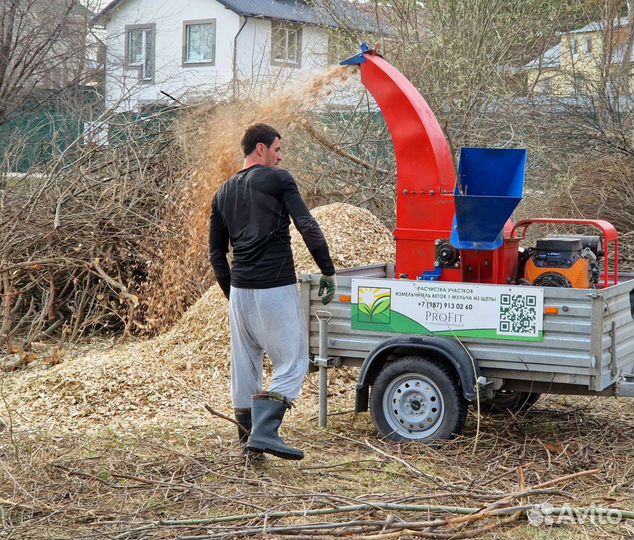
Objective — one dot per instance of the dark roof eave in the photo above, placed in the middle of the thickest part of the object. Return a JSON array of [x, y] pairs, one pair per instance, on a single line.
[[105, 12], [268, 18], [333, 25], [322, 24]]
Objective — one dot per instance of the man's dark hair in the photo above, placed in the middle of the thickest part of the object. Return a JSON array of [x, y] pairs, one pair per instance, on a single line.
[[258, 133]]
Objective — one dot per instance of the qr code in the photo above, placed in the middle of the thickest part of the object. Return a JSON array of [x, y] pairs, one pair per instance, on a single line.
[[518, 314]]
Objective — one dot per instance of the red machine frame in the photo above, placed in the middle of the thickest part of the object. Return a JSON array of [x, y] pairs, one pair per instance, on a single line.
[[426, 176]]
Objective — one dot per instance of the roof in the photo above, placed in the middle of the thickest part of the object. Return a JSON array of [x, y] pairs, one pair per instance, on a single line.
[[106, 11], [550, 59], [298, 11], [598, 26]]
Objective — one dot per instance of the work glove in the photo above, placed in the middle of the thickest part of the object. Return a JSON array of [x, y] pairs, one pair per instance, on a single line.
[[328, 285]]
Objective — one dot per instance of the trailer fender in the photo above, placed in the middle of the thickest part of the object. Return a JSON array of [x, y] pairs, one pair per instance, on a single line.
[[440, 349]]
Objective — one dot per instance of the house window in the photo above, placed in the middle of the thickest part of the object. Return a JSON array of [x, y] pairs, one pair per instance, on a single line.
[[286, 44], [574, 46], [199, 42], [140, 50], [588, 45]]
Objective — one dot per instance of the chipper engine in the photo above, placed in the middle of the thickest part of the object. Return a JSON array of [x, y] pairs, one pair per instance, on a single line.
[[456, 227], [562, 261]]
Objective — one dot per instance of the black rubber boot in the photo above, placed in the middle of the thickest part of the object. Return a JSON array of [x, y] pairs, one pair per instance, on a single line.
[[268, 412], [243, 417]]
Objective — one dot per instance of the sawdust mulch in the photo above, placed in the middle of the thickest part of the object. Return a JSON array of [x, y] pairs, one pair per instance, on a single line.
[[166, 379]]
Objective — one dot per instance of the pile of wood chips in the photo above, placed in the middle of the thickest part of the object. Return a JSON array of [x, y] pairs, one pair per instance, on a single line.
[[355, 237], [168, 378]]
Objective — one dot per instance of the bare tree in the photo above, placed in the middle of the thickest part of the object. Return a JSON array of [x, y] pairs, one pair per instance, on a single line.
[[42, 43], [586, 126]]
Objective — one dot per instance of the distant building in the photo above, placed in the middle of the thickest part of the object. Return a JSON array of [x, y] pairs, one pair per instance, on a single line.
[[582, 59], [158, 51]]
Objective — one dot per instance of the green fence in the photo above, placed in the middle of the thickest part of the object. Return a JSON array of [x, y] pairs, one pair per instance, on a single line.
[[47, 123]]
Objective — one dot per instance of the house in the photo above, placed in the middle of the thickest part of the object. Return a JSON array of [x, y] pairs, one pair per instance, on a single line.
[[160, 51], [581, 60]]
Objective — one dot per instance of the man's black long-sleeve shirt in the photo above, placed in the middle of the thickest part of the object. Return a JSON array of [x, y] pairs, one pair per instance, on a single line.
[[251, 210]]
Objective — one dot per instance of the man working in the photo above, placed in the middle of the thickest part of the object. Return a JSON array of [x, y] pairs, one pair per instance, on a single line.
[[251, 210]]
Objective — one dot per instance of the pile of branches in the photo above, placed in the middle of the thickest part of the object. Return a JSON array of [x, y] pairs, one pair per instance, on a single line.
[[79, 242]]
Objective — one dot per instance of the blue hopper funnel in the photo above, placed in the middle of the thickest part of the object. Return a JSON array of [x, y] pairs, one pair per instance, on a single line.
[[490, 185]]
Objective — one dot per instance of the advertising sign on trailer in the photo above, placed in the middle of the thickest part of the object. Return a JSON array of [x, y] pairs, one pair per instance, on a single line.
[[448, 309]]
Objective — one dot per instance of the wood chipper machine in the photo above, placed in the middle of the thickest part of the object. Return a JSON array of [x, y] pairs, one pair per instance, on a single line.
[[465, 312]]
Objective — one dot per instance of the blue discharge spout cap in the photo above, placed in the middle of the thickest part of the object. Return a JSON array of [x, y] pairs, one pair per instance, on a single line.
[[357, 58], [490, 186]]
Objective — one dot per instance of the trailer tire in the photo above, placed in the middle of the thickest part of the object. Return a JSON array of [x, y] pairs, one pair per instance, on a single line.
[[510, 401], [415, 399]]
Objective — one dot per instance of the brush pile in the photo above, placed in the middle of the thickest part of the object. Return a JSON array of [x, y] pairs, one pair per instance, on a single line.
[[76, 243]]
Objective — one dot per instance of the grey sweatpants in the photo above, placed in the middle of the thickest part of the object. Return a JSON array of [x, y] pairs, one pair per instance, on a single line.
[[271, 321]]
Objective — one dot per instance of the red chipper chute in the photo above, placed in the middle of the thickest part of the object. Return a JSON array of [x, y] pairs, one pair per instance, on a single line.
[[426, 177]]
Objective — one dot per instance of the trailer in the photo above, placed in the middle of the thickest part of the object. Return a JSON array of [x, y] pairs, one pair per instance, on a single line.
[[471, 310], [418, 387]]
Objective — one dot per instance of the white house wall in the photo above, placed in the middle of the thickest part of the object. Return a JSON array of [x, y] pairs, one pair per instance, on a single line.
[[123, 89], [254, 56]]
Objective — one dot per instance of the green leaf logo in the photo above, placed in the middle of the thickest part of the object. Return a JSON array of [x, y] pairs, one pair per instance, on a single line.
[[374, 305]]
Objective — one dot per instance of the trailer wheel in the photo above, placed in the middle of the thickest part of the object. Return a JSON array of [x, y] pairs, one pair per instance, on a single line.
[[510, 400], [416, 399]]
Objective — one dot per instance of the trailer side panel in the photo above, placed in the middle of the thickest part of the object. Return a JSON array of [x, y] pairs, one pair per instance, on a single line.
[[589, 342]]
